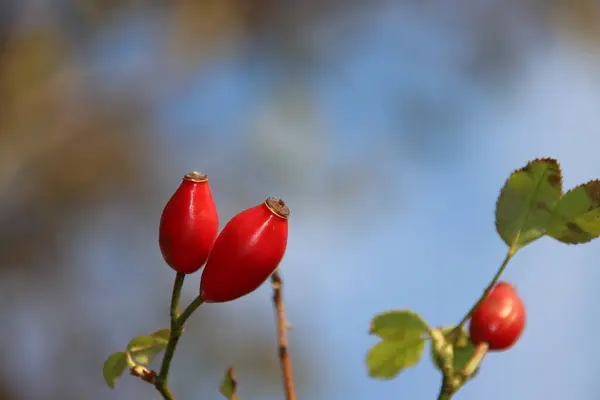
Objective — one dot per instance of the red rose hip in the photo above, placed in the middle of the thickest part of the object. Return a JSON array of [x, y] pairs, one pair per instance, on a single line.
[[246, 252], [500, 319], [189, 225]]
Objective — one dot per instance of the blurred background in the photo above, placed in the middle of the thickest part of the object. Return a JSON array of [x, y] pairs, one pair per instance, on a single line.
[[388, 127]]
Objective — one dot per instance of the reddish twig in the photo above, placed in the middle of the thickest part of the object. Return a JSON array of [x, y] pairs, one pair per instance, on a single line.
[[145, 374], [282, 327]]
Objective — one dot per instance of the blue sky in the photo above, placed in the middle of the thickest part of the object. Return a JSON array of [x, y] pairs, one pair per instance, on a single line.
[[423, 239], [437, 251]]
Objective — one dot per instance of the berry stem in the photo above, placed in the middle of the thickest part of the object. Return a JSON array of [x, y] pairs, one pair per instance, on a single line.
[[456, 332], [189, 310], [282, 327], [469, 369], [176, 296], [177, 323], [452, 383]]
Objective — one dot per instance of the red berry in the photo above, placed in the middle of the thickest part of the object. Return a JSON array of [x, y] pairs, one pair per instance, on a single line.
[[500, 319], [247, 251], [189, 225]]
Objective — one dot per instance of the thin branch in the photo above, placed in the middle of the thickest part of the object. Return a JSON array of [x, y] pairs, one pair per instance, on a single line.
[[445, 391], [282, 327], [188, 311], [177, 324], [161, 381], [451, 383], [456, 331]]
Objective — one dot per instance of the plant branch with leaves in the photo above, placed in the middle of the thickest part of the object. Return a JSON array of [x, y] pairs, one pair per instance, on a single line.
[[251, 246], [531, 205], [236, 262]]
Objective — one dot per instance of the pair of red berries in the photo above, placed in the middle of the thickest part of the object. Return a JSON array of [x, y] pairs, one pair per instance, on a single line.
[[240, 258], [499, 320]]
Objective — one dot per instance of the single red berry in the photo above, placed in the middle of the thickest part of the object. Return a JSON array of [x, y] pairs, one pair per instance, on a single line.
[[247, 251], [500, 319], [189, 225]]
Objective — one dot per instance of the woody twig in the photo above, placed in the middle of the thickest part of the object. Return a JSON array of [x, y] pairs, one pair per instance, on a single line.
[[282, 327]]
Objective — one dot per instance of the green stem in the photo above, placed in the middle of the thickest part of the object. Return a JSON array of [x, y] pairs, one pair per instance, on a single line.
[[164, 390], [162, 379], [456, 332], [451, 383], [445, 394], [176, 296], [163, 375], [474, 363], [189, 310], [177, 322]]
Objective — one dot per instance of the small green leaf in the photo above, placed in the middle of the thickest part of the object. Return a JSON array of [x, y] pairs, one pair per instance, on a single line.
[[114, 367], [577, 215], [164, 334], [394, 324], [462, 350], [403, 333], [143, 349], [389, 357], [229, 385], [524, 207]]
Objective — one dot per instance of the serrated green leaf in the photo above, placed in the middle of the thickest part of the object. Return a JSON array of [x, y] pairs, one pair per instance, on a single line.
[[143, 349], [524, 207], [389, 357], [396, 324], [113, 368], [229, 386], [577, 215], [462, 350]]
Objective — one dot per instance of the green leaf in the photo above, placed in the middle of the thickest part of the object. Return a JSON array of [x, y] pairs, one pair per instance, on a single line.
[[396, 324], [163, 334], [389, 357], [403, 333], [143, 349], [462, 350], [229, 385], [577, 215], [114, 367], [524, 207]]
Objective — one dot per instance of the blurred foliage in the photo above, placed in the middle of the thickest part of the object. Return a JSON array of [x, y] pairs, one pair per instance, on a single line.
[[70, 143]]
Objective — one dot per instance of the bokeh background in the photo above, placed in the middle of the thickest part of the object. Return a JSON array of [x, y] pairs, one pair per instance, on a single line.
[[387, 126]]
